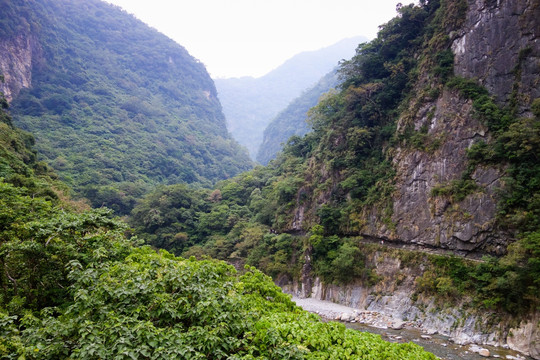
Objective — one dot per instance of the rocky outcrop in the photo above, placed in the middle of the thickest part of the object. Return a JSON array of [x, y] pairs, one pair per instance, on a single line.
[[525, 337], [19, 55], [499, 45], [421, 217], [431, 207]]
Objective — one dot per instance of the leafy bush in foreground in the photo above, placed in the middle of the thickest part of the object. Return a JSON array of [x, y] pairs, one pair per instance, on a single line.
[[156, 306]]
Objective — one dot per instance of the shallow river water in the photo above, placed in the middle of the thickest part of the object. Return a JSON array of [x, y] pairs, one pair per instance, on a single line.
[[437, 344]]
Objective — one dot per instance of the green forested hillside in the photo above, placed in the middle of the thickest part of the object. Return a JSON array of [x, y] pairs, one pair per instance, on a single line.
[[292, 120], [115, 106], [73, 286], [324, 185]]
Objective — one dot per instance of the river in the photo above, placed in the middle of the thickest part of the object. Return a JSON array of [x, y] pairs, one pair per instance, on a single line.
[[437, 344]]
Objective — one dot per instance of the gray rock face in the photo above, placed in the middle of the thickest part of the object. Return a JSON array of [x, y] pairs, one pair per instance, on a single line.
[[525, 337], [498, 45], [437, 221], [19, 55], [498, 38]]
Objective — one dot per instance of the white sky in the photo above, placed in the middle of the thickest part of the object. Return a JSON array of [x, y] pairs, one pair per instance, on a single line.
[[251, 37]]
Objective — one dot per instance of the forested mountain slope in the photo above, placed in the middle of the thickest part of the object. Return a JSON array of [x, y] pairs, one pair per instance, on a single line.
[[115, 106], [250, 103], [292, 120], [425, 157], [73, 286]]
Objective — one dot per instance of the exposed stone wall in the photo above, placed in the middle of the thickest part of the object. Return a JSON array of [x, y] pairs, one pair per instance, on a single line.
[[498, 45], [438, 221], [393, 296], [18, 55], [489, 45]]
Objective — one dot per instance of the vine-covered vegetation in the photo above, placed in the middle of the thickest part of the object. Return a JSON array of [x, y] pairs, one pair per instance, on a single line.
[[115, 106]]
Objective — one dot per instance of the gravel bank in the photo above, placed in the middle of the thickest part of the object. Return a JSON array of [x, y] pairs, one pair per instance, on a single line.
[[332, 311], [326, 309]]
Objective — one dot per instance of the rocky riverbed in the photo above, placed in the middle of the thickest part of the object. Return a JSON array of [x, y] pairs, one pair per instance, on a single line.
[[396, 330]]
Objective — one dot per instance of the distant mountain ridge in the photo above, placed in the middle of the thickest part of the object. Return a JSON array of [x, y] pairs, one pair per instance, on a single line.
[[115, 106], [293, 119], [250, 103]]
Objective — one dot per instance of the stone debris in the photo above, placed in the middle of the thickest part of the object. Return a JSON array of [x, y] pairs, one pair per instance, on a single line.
[[480, 350], [372, 318], [511, 357], [397, 324], [484, 352]]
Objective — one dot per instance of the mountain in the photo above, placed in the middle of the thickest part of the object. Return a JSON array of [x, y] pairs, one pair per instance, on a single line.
[[115, 106], [250, 103], [91, 292], [416, 194], [292, 120]]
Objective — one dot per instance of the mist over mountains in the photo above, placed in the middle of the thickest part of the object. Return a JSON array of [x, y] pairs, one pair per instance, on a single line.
[[250, 103]]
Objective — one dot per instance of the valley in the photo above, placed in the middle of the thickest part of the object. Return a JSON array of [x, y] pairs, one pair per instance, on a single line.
[[402, 183]]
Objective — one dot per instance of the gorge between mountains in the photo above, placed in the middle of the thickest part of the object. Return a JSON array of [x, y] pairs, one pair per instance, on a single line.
[[132, 222]]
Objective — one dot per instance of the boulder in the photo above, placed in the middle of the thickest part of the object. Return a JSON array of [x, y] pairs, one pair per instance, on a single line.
[[484, 352], [397, 324]]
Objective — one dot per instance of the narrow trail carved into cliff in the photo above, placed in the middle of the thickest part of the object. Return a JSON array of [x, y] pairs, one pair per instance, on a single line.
[[427, 249], [402, 245]]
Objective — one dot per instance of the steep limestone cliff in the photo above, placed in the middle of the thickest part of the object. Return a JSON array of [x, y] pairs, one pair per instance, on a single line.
[[499, 45], [440, 201], [496, 44], [19, 55], [419, 217]]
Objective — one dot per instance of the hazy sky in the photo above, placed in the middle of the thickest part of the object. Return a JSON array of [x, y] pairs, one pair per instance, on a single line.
[[251, 37]]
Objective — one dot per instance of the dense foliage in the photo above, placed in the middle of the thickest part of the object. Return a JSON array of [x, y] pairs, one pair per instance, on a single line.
[[74, 287], [155, 306], [115, 106], [292, 120]]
